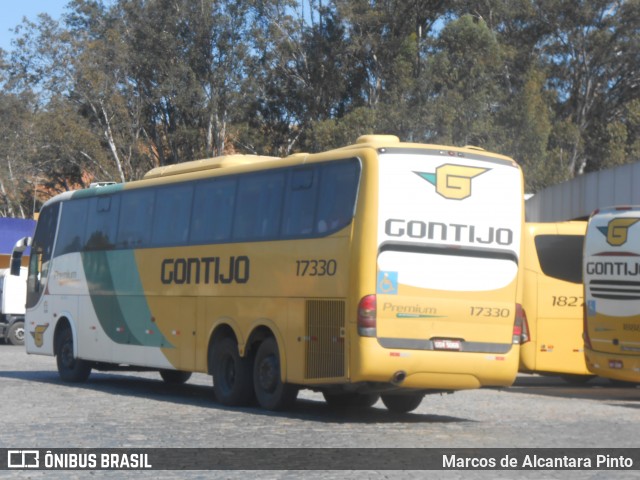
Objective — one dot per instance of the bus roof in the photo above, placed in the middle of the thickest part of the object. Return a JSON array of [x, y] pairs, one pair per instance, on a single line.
[[391, 141], [224, 161], [244, 162], [615, 209]]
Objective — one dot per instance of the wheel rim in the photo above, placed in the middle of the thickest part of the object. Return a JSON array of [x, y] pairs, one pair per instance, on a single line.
[[228, 373], [268, 374], [66, 355], [20, 334]]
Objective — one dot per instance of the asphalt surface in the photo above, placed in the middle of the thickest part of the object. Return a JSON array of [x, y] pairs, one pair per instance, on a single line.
[[138, 410]]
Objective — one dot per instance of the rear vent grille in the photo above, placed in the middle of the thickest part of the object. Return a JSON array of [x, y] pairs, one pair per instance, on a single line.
[[325, 342]]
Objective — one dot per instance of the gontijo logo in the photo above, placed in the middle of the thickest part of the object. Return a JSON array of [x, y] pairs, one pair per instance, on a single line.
[[453, 181], [616, 230]]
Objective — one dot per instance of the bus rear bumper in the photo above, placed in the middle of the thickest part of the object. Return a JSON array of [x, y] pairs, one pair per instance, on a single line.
[[439, 370], [613, 365]]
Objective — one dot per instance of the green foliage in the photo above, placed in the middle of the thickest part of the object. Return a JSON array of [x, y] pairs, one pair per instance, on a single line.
[[527, 121], [466, 76], [335, 133], [118, 87]]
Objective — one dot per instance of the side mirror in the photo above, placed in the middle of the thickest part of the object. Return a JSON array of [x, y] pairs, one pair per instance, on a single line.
[[16, 254]]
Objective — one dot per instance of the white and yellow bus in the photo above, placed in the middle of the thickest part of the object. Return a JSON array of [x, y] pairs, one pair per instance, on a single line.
[[612, 293], [553, 300], [379, 269]]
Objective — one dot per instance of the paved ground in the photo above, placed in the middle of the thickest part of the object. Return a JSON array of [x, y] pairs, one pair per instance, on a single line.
[[115, 410]]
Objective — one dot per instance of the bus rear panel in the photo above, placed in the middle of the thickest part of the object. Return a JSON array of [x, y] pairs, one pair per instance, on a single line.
[[448, 251], [612, 293]]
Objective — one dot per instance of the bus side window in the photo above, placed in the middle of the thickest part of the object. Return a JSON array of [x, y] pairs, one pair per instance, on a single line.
[[102, 223], [334, 219], [171, 215], [338, 190], [134, 227], [212, 215], [259, 207], [71, 233], [300, 204], [560, 256]]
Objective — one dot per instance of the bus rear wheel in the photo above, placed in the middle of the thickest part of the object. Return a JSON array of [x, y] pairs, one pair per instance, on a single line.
[[70, 369], [351, 399], [271, 392], [232, 378], [577, 379], [402, 403]]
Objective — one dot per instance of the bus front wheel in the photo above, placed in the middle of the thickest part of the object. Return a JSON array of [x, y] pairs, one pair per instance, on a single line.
[[232, 379], [402, 403], [70, 369], [271, 392]]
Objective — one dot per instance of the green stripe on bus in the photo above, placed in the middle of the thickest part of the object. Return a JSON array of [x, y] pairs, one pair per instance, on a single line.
[[119, 300]]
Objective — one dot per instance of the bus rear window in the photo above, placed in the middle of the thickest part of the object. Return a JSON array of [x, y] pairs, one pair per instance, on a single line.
[[560, 256], [451, 269]]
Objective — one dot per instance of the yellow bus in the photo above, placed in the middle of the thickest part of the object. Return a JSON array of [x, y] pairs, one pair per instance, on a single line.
[[381, 269], [612, 293], [553, 300]]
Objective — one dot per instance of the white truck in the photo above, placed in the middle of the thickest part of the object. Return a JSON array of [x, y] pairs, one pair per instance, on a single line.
[[13, 296]]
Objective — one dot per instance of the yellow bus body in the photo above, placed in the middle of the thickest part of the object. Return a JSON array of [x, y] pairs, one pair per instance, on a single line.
[[431, 241], [612, 293], [553, 299]]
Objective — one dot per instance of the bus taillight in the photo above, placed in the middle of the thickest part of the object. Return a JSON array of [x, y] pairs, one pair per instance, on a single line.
[[367, 316], [521, 326]]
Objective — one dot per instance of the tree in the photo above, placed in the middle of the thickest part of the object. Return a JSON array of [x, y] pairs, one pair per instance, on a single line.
[[467, 79], [186, 63], [16, 126], [119, 87], [592, 58]]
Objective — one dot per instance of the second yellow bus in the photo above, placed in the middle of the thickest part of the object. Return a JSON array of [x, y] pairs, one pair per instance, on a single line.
[[553, 300]]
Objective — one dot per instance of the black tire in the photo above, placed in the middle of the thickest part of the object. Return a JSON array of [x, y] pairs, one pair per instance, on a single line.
[[15, 335], [577, 379], [175, 377], [70, 369], [351, 399], [402, 403], [271, 392], [232, 374]]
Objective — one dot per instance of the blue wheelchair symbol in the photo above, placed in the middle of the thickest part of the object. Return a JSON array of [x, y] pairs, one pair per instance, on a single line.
[[388, 283]]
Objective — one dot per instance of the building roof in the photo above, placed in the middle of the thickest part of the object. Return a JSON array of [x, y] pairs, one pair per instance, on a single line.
[[577, 198]]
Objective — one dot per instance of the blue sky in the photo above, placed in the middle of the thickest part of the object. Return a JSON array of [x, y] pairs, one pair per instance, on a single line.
[[14, 10]]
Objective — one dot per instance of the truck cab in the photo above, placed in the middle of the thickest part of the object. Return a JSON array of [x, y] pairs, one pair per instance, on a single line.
[[13, 296]]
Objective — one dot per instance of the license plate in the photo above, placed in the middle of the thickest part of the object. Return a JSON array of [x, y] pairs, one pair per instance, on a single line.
[[617, 364], [446, 344]]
